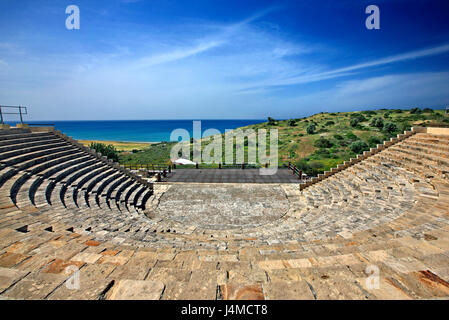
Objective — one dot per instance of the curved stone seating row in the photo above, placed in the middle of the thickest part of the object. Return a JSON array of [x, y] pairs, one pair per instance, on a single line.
[[47, 168]]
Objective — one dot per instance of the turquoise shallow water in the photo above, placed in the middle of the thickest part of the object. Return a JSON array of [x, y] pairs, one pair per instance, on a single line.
[[138, 130]]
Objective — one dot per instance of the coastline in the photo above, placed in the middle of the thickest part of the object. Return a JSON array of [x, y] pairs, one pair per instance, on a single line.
[[121, 145]]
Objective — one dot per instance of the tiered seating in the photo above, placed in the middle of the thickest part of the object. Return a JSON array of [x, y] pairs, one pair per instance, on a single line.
[[45, 170], [68, 208]]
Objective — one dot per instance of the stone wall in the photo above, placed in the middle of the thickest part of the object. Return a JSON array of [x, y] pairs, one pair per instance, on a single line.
[[438, 131]]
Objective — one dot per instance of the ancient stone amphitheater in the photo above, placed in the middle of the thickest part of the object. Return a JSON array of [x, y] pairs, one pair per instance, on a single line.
[[376, 227]]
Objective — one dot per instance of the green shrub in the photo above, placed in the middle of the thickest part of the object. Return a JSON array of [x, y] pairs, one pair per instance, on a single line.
[[329, 123], [338, 137], [309, 168], [354, 122], [390, 127], [377, 123], [106, 150], [358, 116], [323, 143], [427, 110], [311, 128], [359, 146], [404, 126], [374, 141], [322, 152], [291, 123], [415, 111], [351, 136], [271, 121]]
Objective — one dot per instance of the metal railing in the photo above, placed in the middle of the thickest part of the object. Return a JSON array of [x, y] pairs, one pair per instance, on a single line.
[[152, 167], [21, 112], [168, 167]]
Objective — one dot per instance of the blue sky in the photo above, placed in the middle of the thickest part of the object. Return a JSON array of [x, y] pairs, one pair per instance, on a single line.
[[155, 59]]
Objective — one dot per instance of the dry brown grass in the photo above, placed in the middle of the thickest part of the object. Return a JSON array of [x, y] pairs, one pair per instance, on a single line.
[[119, 145]]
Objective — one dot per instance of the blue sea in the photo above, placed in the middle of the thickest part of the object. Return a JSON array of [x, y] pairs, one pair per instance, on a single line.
[[138, 130]]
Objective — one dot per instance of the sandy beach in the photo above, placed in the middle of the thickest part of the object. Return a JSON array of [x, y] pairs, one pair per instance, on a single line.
[[120, 145]]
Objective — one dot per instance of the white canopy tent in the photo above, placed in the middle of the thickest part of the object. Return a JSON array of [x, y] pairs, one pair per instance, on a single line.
[[181, 161]]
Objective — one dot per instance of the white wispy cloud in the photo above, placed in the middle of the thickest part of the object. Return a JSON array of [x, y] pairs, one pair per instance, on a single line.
[[396, 58], [223, 35], [351, 70], [175, 55]]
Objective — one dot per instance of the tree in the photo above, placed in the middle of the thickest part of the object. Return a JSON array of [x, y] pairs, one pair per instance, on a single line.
[[271, 121], [291, 123], [108, 151], [311, 128], [359, 146], [415, 110]]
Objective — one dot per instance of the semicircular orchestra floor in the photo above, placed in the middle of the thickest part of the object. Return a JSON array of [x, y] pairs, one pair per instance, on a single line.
[[219, 207]]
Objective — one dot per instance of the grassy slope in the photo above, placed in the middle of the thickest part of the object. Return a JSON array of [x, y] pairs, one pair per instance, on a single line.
[[299, 147], [157, 153]]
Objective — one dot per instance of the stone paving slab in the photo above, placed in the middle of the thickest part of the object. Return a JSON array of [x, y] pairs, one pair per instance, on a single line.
[[136, 290]]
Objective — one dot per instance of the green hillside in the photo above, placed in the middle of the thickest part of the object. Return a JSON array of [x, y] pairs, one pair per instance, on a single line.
[[320, 142]]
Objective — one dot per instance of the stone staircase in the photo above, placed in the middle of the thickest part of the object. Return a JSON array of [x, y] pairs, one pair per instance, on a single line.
[[64, 207]]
